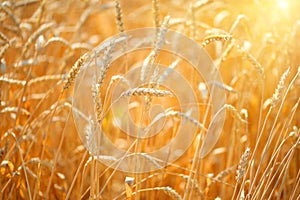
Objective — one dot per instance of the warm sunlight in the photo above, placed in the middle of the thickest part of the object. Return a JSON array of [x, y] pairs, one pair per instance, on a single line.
[[151, 99], [283, 4]]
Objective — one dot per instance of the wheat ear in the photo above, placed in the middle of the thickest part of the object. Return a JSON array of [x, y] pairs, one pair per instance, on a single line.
[[57, 40], [74, 71], [187, 117], [213, 38], [155, 12], [280, 86], [12, 81], [242, 165], [251, 59], [119, 17], [224, 173], [96, 88], [41, 30], [146, 92], [161, 35], [158, 43]]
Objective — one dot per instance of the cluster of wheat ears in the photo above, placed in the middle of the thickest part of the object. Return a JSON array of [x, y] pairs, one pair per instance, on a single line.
[[254, 45]]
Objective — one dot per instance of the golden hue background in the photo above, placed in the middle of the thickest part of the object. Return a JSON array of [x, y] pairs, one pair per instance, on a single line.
[[41, 154]]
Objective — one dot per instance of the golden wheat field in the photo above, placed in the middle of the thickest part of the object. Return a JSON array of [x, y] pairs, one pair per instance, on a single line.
[[152, 99]]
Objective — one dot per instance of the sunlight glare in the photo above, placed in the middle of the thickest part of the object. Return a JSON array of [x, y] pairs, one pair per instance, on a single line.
[[283, 4]]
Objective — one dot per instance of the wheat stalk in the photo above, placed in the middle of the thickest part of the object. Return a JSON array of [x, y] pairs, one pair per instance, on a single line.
[[58, 40], [227, 51], [213, 38], [224, 173], [272, 134], [12, 81], [242, 165], [251, 59], [155, 12], [150, 158], [118, 77], [146, 92], [3, 37], [20, 23], [165, 74], [161, 35], [172, 193], [41, 30], [106, 63], [236, 22], [45, 78], [235, 112], [25, 3], [279, 89], [97, 85], [223, 86], [200, 4], [167, 190], [81, 46], [15, 109], [74, 71], [187, 117], [11, 15], [158, 43], [4, 49], [119, 17]]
